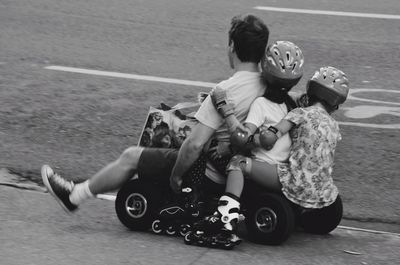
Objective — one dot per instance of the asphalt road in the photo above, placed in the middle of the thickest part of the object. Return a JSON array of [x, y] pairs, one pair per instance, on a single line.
[[78, 122], [34, 230]]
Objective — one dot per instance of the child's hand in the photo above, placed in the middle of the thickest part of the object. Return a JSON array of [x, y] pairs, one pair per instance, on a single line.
[[240, 138], [268, 138], [219, 99]]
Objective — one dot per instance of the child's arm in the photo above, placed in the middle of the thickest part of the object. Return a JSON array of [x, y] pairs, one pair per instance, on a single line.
[[241, 135], [268, 137]]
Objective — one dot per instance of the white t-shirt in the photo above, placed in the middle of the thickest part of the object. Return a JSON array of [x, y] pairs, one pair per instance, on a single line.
[[264, 111], [241, 89]]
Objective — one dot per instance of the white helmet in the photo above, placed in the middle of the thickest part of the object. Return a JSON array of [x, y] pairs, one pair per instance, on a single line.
[[283, 61], [329, 84]]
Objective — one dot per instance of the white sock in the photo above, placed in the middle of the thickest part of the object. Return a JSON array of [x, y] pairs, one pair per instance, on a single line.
[[80, 193]]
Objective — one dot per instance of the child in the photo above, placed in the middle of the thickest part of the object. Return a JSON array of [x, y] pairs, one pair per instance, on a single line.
[[306, 178], [282, 68]]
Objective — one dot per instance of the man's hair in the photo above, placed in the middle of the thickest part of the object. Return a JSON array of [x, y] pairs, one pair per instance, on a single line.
[[249, 35]]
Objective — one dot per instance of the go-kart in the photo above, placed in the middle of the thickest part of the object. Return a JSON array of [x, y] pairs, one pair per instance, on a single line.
[[269, 217]]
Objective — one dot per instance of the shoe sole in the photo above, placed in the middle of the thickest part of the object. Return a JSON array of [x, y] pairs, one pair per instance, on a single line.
[[45, 179]]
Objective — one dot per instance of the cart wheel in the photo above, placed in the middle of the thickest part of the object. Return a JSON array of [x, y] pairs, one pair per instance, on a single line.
[[135, 205], [322, 221], [270, 220]]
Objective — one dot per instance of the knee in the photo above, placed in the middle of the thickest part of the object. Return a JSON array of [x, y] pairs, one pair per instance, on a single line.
[[130, 156], [240, 163]]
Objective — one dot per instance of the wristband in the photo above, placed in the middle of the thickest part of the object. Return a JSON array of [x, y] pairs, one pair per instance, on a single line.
[[220, 104], [275, 131]]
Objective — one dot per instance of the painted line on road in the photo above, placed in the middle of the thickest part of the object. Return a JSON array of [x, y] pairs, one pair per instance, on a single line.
[[367, 230], [370, 125], [212, 85], [107, 197], [131, 76], [325, 12]]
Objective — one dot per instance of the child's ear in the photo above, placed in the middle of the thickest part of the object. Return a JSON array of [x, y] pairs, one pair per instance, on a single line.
[[231, 47]]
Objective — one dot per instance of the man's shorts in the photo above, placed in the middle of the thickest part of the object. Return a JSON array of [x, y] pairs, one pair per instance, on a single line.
[[155, 164]]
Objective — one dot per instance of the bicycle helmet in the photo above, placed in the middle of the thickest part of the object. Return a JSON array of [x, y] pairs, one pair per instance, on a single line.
[[283, 61], [329, 84]]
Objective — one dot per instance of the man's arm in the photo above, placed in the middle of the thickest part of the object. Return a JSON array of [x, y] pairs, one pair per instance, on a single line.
[[233, 124], [188, 153]]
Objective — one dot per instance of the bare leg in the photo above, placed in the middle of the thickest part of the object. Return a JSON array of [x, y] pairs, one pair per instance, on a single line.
[[263, 173], [111, 177], [115, 174], [238, 167], [235, 183]]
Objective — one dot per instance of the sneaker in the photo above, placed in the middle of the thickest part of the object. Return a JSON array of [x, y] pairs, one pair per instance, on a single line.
[[58, 187]]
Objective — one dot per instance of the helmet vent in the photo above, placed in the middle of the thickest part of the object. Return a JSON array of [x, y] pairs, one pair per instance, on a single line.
[[271, 61], [282, 64]]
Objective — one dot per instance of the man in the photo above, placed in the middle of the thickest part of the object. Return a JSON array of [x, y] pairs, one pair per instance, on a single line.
[[248, 37]]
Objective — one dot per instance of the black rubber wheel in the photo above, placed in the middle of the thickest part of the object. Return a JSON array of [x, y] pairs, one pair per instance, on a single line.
[[270, 220], [136, 204], [322, 221]]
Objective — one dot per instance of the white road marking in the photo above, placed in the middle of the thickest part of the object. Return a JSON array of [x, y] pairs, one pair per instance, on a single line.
[[107, 197], [369, 90], [329, 13], [367, 230], [370, 125], [368, 111], [131, 76], [212, 85]]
